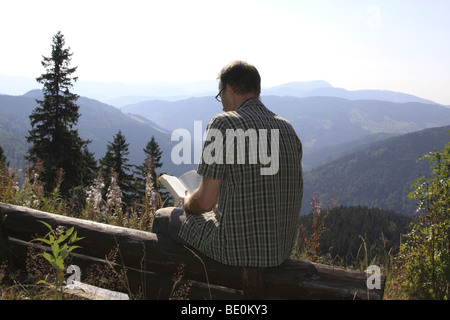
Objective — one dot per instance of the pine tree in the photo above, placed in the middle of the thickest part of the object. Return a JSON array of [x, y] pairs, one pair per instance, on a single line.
[[54, 139], [151, 150], [2, 156], [116, 161], [89, 166]]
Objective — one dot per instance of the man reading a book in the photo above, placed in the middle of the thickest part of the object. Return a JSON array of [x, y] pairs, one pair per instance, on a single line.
[[242, 215]]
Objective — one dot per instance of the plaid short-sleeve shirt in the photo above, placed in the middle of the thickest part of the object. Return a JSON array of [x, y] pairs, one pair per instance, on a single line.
[[257, 155]]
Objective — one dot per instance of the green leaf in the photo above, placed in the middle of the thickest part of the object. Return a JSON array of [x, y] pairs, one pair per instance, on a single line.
[[48, 257], [65, 235], [46, 224], [74, 238], [55, 249], [73, 248], [59, 263], [42, 282], [43, 240], [63, 254]]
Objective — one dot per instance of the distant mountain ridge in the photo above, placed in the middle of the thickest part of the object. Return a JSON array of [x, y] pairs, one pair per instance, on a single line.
[[98, 122], [122, 94], [324, 89], [321, 122]]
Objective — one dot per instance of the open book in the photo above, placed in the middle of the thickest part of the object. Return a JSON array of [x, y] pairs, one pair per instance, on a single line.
[[177, 186]]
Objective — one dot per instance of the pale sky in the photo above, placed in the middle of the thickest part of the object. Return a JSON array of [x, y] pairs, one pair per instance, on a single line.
[[398, 45]]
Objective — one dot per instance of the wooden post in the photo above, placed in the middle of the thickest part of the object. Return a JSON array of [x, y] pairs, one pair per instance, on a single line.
[[254, 283]]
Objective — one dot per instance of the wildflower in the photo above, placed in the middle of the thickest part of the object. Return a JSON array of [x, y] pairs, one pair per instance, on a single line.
[[114, 198], [150, 194], [94, 195]]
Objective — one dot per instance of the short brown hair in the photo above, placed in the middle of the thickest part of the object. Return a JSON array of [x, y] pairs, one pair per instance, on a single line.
[[242, 77]]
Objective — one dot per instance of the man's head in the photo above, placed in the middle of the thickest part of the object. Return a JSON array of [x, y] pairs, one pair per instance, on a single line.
[[238, 81]]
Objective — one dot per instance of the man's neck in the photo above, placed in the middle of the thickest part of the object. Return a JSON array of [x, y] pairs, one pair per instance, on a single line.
[[240, 99]]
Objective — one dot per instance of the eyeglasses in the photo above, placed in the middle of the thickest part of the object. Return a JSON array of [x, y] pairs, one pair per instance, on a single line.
[[218, 97]]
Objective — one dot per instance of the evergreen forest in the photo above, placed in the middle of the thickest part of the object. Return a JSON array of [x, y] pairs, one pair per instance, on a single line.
[[352, 234]]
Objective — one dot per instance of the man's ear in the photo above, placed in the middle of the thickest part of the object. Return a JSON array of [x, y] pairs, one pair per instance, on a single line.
[[230, 88]]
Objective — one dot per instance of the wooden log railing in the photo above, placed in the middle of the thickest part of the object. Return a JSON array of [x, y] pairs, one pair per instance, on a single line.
[[151, 260]]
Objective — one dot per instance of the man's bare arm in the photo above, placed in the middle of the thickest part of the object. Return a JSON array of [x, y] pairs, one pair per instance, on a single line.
[[204, 198]]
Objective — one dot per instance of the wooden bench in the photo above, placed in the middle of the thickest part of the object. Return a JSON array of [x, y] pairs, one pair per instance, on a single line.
[[151, 260]]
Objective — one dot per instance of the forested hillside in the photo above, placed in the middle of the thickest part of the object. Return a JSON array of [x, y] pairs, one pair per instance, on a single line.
[[347, 228], [14, 126], [99, 122], [379, 175]]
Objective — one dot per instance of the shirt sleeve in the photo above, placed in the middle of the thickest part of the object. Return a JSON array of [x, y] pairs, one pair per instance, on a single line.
[[212, 163]]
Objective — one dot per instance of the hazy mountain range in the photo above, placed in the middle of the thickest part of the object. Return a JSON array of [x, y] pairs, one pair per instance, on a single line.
[[122, 94], [330, 127], [321, 122], [99, 122]]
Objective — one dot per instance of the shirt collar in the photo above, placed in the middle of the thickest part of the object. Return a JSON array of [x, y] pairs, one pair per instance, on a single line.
[[244, 104]]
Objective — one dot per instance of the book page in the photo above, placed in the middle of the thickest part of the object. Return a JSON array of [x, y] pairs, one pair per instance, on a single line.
[[191, 180], [174, 186]]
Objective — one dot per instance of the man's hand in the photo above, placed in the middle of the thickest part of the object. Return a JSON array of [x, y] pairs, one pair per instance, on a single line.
[[187, 196]]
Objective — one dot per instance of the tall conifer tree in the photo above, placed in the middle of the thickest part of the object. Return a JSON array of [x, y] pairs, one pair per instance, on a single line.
[[2, 156], [53, 137], [115, 160], [151, 149]]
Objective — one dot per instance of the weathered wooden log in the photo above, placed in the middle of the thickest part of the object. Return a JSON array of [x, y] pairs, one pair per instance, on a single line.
[[254, 283], [149, 256], [141, 284]]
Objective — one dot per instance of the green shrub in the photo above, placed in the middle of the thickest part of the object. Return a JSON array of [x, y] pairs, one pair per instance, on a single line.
[[424, 259]]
